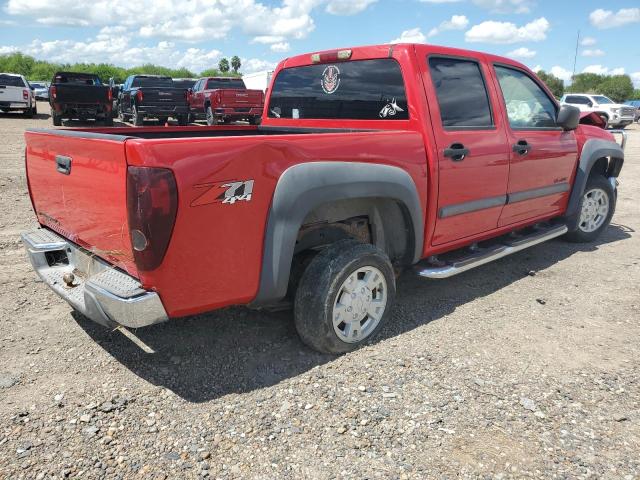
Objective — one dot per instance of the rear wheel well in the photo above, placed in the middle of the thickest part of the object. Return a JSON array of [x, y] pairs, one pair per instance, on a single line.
[[382, 222]]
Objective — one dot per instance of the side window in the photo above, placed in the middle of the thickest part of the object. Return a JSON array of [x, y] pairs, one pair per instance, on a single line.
[[528, 106], [461, 91]]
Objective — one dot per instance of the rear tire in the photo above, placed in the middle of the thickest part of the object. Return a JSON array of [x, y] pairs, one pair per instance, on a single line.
[[56, 119], [183, 120], [344, 297], [163, 120], [211, 118], [136, 118], [28, 113], [108, 120], [121, 115], [596, 209]]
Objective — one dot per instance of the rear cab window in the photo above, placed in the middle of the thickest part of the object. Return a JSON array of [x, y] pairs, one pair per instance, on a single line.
[[461, 92], [225, 83], [355, 90], [152, 82], [76, 79], [11, 81]]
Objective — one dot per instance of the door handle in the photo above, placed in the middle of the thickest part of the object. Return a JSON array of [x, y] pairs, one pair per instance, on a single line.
[[63, 164], [522, 147], [457, 152]]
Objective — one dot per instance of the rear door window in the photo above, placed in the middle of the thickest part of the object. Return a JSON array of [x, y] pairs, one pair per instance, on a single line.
[[462, 94], [356, 90], [577, 100], [11, 81]]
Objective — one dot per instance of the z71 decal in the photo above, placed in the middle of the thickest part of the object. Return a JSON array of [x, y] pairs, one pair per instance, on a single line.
[[231, 193]]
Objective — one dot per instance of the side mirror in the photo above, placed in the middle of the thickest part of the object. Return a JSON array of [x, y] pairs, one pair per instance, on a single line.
[[32, 87], [568, 117]]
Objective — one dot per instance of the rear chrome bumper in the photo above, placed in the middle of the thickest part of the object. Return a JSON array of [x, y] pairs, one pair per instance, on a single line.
[[98, 290]]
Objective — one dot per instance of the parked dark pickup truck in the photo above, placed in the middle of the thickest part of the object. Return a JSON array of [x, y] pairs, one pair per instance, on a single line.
[[144, 96], [79, 96]]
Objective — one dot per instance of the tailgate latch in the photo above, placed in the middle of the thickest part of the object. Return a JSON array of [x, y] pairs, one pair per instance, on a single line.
[[63, 164]]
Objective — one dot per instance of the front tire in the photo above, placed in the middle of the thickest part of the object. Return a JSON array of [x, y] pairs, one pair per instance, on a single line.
[[596, 209], [344, 297]]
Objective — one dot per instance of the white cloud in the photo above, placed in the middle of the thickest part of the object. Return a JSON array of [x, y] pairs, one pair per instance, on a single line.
[[457, 22], [195, 20], [348, 7], [413, 35], [440, 1], [592, 52], [8, 49], [588, 41], [635, 78], [507, 32], [522, 52], [561, 73], [601, 70], [256, 65], [267, 39], [506, 6], [537, 68], [607, 19], [280, 47]]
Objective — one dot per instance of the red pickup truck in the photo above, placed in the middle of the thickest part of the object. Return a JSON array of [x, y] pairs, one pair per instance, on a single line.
[[368, 160], [221, 99]]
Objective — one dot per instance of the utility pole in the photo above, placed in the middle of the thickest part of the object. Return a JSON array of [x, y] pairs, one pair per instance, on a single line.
[[575, 57]]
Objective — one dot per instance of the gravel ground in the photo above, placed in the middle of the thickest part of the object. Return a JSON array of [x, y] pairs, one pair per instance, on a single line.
[[527, 367]]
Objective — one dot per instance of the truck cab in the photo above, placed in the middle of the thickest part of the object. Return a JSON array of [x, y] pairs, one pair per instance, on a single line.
[[368, 161]]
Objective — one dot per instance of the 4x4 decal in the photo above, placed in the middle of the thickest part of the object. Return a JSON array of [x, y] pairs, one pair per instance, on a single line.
[[233, 191]]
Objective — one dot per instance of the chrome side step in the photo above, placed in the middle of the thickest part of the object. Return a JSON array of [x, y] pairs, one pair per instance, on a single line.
[[480, 256]]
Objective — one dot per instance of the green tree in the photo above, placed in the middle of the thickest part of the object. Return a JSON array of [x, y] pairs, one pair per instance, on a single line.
[[636, 94], [17, 63], [617, 87], [224, 65], [585, 83], [555, 84], [235, 63]]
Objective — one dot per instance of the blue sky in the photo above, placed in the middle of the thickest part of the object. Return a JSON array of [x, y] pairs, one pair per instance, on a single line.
[[196, 33]]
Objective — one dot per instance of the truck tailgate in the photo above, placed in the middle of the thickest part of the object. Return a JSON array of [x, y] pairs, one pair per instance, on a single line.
[[81, 94], [241, 98], [78, 185]]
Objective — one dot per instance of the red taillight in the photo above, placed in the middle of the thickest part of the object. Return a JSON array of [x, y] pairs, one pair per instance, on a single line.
[[25, 94], [218, 97], [152, 204], [139, 95], [53, 92], [110, 95]]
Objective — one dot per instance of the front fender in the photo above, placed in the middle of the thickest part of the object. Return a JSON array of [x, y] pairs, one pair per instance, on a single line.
[[593, 150], [304, 187]]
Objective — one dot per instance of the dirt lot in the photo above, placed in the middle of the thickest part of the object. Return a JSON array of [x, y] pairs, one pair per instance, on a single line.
[[527, 367]]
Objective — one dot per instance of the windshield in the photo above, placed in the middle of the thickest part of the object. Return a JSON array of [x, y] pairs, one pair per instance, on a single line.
[[226, 83], [36, 85], [186, 83], [11, 81], [602, 99], [152, 82]]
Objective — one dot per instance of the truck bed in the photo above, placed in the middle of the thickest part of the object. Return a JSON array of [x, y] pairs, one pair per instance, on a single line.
[[89, 206]]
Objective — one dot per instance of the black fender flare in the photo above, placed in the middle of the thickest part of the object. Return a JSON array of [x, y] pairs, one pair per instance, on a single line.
[[304, 187], [593, 150]]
